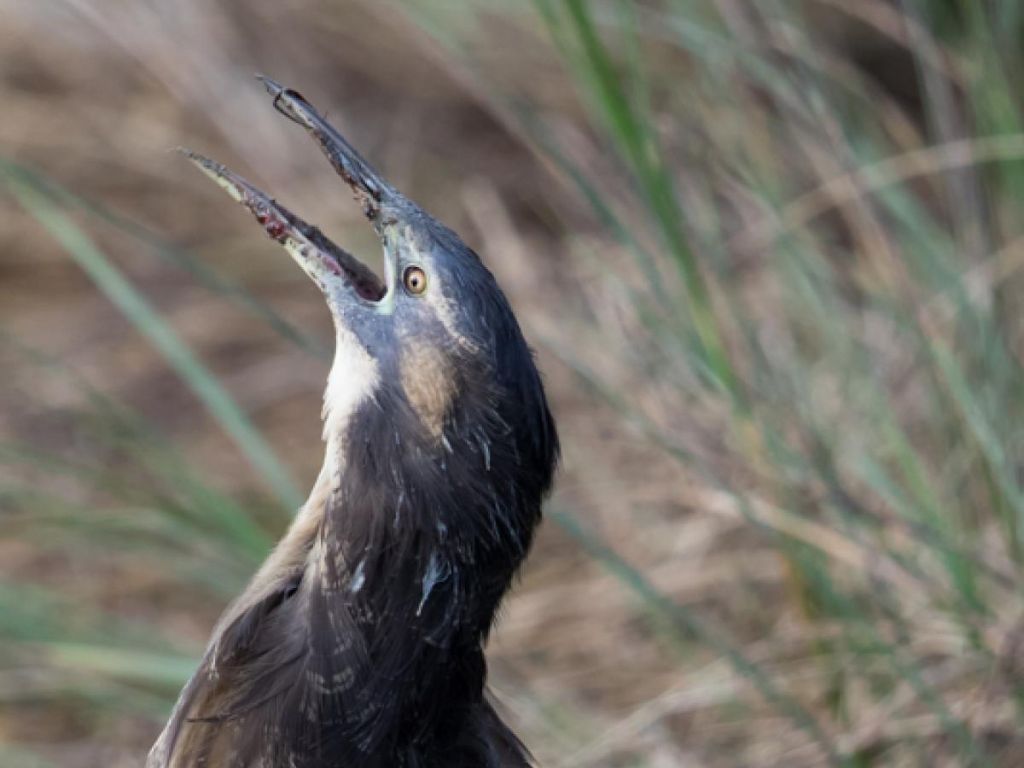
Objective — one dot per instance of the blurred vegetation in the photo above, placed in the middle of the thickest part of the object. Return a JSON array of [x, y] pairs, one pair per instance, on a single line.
[[780, 248]]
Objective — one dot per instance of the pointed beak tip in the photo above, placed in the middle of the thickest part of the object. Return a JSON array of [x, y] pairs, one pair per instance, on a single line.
[[204, 164], [359, 174], [273, 87], [195, 158], [220, 175]]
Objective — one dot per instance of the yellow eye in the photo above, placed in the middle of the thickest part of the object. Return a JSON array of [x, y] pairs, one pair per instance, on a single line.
[[415, 280]]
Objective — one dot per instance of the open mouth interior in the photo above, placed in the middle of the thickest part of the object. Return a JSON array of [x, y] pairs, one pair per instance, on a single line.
[[363, 280], [369, 287], [291, 231]]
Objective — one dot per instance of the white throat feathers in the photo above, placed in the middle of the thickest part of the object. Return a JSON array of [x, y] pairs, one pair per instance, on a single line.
[[354, 378]]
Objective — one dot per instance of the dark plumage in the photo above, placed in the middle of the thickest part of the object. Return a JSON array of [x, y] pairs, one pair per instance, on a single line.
[[359, 642]]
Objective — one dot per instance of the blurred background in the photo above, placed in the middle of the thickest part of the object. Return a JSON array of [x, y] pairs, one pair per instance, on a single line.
[[769, 253]]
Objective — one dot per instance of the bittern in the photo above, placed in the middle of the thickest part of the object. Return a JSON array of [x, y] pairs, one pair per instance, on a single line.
[[359, 642]]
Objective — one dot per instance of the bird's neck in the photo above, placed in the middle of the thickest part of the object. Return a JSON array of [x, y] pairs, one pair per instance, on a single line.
[[426, 530], [411, 539], [407, 563], [369, 617], [421, 540]]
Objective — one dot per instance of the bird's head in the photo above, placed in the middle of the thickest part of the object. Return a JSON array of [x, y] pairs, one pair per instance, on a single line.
[[432, 375]]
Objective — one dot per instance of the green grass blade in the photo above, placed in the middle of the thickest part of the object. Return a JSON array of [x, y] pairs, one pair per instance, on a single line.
[[643, 156], [141, 314], [173, 254], [688, 623], [14, 756]]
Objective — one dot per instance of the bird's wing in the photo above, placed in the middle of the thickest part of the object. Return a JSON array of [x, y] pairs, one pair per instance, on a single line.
[[277, 686], [251, 659], [275, 651]]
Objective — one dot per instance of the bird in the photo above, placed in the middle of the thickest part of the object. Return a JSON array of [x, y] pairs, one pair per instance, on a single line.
[[359, 643]]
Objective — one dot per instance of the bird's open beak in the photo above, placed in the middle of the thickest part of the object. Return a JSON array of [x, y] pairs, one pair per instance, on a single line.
[[322, 259], [368, 185]]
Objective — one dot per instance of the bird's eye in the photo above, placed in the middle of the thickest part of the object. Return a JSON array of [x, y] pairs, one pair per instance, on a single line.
[[415, 280]]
